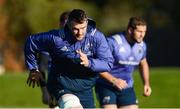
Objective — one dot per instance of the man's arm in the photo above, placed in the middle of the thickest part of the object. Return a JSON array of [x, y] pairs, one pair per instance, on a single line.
[[144, 71], [103, 61], [118, 83], [34, 45]]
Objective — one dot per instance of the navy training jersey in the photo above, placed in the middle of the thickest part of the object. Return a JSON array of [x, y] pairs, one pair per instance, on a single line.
[[66, 70]]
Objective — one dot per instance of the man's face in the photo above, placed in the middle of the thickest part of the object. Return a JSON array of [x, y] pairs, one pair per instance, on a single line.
[[78, 29], [138, 34]]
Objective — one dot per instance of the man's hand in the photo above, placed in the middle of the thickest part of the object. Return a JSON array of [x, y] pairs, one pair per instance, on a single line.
[[83, 58], [120, 83], [35, 77], [147, 90]]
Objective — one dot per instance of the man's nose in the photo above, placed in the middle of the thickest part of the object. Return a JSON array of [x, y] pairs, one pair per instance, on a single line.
[[80, 31]]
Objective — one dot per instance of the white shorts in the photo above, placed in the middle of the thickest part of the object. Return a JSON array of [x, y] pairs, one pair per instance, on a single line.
[[68, 101]]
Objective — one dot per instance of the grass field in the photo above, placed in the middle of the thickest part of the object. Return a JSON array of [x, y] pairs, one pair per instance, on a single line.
[[165, 85]]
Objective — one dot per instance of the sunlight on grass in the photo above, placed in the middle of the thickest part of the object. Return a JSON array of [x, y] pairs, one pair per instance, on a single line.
[[14, 92]]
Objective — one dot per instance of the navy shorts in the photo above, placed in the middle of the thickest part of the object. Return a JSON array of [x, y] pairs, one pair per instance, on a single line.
[[86, 98], [111, 95]]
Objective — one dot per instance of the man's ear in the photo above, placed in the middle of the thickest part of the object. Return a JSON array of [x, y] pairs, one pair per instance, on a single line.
[[130, 30]]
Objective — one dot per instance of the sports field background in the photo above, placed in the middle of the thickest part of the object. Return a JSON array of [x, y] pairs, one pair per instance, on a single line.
[[14, 93]]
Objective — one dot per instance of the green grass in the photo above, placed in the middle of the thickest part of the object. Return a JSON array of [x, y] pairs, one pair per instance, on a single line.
[[14, 92], [165, 90], [165, 84]]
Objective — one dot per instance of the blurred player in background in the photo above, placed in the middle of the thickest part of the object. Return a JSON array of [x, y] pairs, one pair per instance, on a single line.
[[129, 51], [44, 62], [63, 18]]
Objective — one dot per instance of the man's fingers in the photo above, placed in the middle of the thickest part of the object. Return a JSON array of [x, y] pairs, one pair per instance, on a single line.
[[27, 81], [120, 88], [121, 84], [125, 84], [30, 82], [82, 58], [38, 84], [33, 85], [34, 79], [80, 53], [147, 92], [82, 63]]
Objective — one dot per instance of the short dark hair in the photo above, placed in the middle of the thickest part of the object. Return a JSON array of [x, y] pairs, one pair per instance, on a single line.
[[135, 21], [77, 15]]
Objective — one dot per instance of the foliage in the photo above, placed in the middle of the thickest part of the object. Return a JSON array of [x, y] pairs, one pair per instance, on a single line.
[[43, 15], [21, 18]]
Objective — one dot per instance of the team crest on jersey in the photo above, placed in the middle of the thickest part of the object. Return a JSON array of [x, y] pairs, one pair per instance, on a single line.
[[87, 50], [87, 46]]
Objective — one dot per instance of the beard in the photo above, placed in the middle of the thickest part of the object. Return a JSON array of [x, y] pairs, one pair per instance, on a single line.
[[136, 40], [79, 37]]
